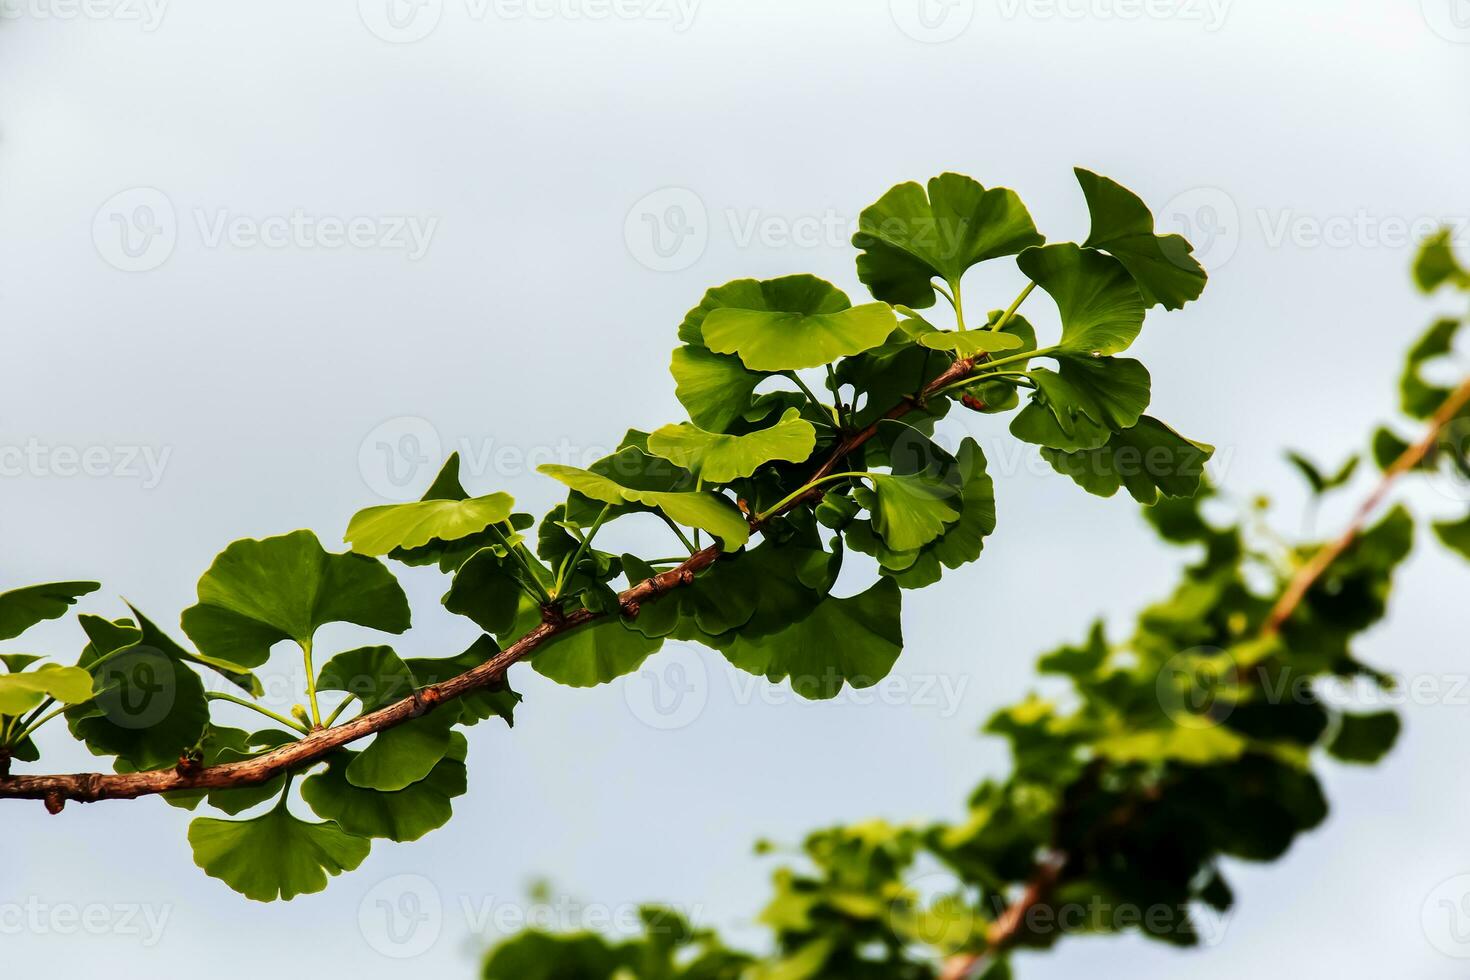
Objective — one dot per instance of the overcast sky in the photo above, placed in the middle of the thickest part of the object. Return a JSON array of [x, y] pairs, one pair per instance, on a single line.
[[270, 262]]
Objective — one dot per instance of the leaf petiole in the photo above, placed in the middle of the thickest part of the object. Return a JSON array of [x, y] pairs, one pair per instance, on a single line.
[[803, 491], [1010, 313], [569, 568], [290, 723]]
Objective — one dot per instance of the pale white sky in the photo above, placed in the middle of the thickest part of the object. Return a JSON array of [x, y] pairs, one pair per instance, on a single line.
[[244, 353]]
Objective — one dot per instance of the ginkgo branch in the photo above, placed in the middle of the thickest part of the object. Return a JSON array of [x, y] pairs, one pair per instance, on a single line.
[[56, 790]]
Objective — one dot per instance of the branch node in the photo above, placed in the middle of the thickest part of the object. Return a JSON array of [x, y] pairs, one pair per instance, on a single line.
[[189, 763], [55, 802]]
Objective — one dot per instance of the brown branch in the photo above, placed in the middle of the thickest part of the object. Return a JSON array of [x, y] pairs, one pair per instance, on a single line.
[[90, 787], [1004, 932], [1314, 569]]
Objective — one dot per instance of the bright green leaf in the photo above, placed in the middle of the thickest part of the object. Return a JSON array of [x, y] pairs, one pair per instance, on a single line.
[[258, 593], [274, 855], [597, 653], [719, 458], [707, 511], [909, 237], [22, 692], [1101, 307], [782, 340], [20, 609], [852, 641], [1148, 459], [714, 388], [380, 530], [1123, 226], [405, 815]]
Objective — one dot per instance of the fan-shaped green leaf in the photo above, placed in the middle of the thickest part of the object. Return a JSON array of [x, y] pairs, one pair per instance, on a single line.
[[788, 340], [719, 458], [714, 388], [486, 589], [707, 511], [21, 692], [258, 593], [147, 705], [405, 815], [909, 237], [380, 530], [1101, 307], [1436, 264], [597, 653], [20, 609], [852, 641], [788, 294], [968, 343], [1148, 459], [1079, 408], [1123, 226], [274, 855], [401, 756], [1418, 397]]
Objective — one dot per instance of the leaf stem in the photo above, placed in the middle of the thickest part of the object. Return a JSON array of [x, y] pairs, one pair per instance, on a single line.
[[332, 718], [567, 570], [817, 403], [316, 712], [683, 538], [765, 515], [965, 382], [31, 727], [1010, 313], [290, 723], [533, 587]]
